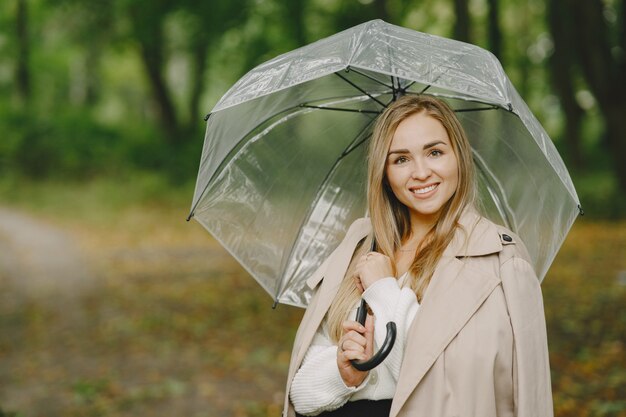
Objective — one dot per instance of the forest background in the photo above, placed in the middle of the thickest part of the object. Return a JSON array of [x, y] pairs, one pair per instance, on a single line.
[[101, 127]]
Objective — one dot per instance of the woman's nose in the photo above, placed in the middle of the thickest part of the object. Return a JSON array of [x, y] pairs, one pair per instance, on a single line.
[[421, 170]]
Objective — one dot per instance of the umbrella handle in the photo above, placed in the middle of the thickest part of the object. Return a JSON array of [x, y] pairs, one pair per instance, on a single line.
[[379, 356]]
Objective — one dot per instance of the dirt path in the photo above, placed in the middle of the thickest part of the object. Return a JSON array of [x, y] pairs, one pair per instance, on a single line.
[[44, 278], [150, 317], [38, 260]]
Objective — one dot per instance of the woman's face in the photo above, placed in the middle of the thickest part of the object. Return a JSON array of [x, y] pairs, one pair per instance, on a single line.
[[421, 168]]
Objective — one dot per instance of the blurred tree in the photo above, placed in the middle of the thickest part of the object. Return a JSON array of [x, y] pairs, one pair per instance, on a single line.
[[563, 72], [461, 30], [85, 61], [600, 37], [381, 10], [205, 24], [495, 34], [347, 13], [91, 27], [147, 19], [293, 19], [22, 67]]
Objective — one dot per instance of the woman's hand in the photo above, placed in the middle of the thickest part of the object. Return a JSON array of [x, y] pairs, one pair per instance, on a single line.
[[370, 268], [357, 343]]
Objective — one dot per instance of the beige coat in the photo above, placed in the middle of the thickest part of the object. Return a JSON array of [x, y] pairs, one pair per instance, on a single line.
[[477, 346]]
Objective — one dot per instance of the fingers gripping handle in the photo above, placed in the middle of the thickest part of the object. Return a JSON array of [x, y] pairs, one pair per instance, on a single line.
[[379, 356]]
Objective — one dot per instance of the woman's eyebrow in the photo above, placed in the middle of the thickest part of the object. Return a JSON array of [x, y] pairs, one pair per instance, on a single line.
[[397, 151], [435, 143], [426, 146]]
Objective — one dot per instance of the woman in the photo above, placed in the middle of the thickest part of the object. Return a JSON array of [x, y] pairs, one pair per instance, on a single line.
[[471, 329]]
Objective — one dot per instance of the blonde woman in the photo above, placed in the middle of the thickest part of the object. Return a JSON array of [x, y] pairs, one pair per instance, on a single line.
[[471, 338]]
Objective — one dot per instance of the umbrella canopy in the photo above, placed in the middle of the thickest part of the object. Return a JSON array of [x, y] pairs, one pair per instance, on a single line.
[[283, 168]]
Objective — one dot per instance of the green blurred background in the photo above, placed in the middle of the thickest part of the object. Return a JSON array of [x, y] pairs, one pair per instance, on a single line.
[[112, 305]]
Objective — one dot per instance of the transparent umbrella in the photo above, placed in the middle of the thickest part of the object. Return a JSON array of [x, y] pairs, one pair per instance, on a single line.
[[283, 171]]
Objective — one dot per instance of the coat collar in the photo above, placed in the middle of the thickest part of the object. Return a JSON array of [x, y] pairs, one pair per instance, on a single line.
[[477, 236]]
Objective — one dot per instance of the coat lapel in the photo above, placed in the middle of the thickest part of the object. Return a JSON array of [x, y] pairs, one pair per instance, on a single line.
[[454, 294]]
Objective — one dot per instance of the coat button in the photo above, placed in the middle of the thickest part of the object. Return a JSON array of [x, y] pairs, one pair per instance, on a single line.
[[507, 238]]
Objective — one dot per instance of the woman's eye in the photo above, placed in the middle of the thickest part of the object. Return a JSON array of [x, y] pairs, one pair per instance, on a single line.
[[436, 152], [401, 160]]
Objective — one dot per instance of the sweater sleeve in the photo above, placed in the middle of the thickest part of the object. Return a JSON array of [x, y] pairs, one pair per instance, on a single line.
[[317, 385], [389, 302]]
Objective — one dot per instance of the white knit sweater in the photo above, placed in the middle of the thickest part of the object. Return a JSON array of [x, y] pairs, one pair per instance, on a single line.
[[318, 387]]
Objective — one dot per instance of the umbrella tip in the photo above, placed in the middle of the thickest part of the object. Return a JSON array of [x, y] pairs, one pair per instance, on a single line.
[[206, 118], [190, 216], [275, 304], [580, 210]]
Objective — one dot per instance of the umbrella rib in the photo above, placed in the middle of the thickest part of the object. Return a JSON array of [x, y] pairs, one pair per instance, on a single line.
[[491, 185], [458, 58], [195, 205], [397, 89], [236, 149], [346, 152], [308, 106], [466, 99], [351, 149], [360, 89], [368, 76], [476, 109]]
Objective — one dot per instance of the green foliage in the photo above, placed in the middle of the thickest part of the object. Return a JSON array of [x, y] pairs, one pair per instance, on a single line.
[[599, 195], [122, 85], [9, 413], [66, 145]]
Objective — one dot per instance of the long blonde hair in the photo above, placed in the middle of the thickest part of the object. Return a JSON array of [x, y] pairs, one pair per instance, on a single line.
[[390, 218]]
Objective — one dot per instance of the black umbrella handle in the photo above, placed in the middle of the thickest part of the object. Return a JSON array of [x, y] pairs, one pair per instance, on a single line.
[[379, 356]]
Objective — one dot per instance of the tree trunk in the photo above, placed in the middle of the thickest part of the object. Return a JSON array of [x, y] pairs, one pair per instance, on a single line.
[[594, 48], [380, 7], [495, 34], [92, 64], [148, 32], [562, 66], [462, 24], [605, 74], [22, 68], [199, 64], [153, 64], [295, 19], [615, 119]]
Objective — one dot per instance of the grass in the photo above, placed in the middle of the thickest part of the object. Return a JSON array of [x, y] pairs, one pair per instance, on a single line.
[[171, 325]]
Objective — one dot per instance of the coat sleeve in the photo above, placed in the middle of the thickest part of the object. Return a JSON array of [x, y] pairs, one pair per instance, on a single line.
[[531, 368]]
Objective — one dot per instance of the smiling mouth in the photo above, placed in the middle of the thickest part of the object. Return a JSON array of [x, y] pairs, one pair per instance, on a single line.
[[424, 190]]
